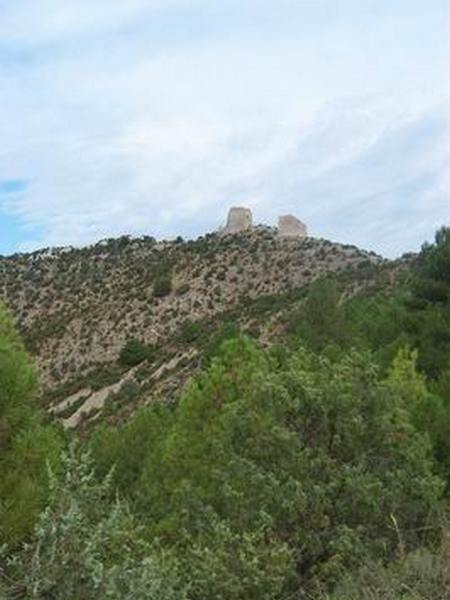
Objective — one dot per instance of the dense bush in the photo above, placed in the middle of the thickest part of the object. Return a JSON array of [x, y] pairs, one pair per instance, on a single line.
[[162, 285], [432, 282], [430, 306], [320, 321], [86, 547], [302, 467], [134, 352], [421, 575], [190, 331]]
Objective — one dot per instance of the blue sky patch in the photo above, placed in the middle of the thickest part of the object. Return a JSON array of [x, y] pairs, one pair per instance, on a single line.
[[12, 186]]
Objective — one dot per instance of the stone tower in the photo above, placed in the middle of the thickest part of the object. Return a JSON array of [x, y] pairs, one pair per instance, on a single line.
[[290, 226], [239, 219]]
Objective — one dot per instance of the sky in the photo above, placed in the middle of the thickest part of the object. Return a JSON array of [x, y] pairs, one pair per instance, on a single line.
[[155, 116]]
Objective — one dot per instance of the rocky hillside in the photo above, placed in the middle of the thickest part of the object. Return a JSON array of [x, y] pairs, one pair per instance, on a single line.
[[77, 308]]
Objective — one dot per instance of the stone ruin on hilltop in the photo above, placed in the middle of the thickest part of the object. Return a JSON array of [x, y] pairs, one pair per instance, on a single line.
[[290, 226], [241, 219]]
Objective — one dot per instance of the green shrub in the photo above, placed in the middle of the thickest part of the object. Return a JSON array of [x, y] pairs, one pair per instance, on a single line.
[[86, 547], [190, 331], [183, 289], [134, 352], [162, 286]]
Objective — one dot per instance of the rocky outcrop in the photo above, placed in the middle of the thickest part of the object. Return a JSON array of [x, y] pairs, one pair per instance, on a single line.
[[239, 219], [290, 226]]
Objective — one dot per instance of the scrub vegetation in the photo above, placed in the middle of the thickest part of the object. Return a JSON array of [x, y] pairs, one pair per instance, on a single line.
[[304, 453]]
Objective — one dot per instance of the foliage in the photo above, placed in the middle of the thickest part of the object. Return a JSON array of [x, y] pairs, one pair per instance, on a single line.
[[134, 352], [162, 285], [379, 323], [18, 383], [430, 304], [432, 283], [300, 466], [228, 330], [25, 444], [85, 547], [227, 564], [128, 447], [317, 464], [421, 575], [190, 331], [321, 319]]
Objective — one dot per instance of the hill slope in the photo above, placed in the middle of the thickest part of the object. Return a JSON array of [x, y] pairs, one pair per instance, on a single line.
[[78, 307]]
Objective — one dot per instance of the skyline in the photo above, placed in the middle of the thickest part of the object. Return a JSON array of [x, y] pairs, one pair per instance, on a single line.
[[152, 117]]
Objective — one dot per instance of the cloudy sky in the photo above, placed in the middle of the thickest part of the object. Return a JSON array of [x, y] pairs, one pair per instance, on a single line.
[[155, 116]]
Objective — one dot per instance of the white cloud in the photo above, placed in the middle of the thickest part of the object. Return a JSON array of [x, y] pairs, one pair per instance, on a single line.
[[146, 127], [33, 22]]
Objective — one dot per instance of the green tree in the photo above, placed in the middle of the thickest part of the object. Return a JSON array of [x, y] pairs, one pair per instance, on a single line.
[[18, 383], [366, 462], [280, 473], [379, 323], [321, 321], [432, 281], [430, 305], [25, 445]]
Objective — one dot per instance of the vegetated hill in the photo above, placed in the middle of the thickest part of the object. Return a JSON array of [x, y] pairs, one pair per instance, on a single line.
[[77, 308]]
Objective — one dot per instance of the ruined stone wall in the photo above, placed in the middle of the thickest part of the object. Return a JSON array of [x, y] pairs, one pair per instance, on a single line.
[[290, 226], [239, 219]]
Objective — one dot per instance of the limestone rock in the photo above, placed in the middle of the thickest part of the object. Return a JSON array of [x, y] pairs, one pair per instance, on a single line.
[[290, 226], [239, 219]]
